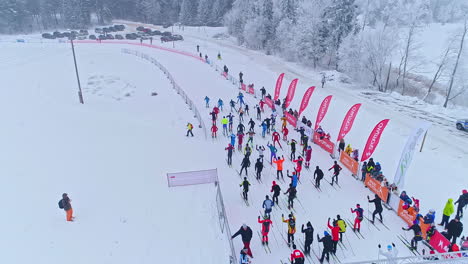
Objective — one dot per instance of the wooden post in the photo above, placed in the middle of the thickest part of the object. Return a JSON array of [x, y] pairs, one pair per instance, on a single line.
[[424, 140]]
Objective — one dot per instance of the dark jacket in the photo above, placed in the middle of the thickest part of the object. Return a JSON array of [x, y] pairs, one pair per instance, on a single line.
[[318, 173], [246, 234], [309, 233], [378, 203], [462, 200], [276, 190], [66, 203], [455, 228], [327, 243], [259, 166], [245, 162]]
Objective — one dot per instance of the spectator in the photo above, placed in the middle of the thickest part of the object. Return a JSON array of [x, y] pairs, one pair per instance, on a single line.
[[429, 218], [454, 229], [448, 211]]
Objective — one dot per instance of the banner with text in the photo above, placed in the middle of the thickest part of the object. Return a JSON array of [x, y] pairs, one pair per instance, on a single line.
[[279, 83], [291, 119], [291, 91], [305, 99], [350, 163], [348, 121], [376, 187], [374, 139], [326, 144], [322, 110], [268, 102]]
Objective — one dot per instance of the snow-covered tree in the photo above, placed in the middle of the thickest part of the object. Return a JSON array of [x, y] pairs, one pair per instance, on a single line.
[[188, 12]]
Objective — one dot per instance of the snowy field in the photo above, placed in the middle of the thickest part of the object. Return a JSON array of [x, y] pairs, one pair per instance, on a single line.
[[112, 153]]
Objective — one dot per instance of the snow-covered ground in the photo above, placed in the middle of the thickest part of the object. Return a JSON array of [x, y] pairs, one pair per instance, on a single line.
[[117, 147]]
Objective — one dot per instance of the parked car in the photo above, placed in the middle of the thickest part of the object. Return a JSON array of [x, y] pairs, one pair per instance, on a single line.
[[57, 34], [84, 32], [102, 37], [155, 33], [166, 38], [131, 36], [48, 36], [93, 37], [117, 36], [82, 37], [74, 33], [166, 33], [177, 37], [462, 124], [167, 25], [98, 30], [140, 28], [147, 30], [119, 27], [110, 36], [66, 34]]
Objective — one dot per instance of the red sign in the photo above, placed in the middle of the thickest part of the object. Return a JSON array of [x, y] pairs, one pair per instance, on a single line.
[[348, 121], [291, 119], [350, 163], [305, 99], [243, 87], [374, 139], [323, 110], [268, 102], [326, 144], [376, 187], [251, 90], [291, 91], [439, 242], [279, 82]]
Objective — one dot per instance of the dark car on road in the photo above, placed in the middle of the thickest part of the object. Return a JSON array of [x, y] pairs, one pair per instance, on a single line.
[[117, 36], [177, 37], [110, 36], [155, 33], [166, 33], [48, 36], [131, 36], [166, 38], [140, 28], [93, 37]]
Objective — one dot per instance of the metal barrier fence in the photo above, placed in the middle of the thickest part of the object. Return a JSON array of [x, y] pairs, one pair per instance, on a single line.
[[224, 223], [176, 87], [449, 258]]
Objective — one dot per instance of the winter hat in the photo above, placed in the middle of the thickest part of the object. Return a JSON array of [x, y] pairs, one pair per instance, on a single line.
[[465, 191], [266, 197], [290, 215], [431, 211], [389, 247], [358, 205], [244, 226], [274, 183], [377, 163], [309, 224], [325, 233]]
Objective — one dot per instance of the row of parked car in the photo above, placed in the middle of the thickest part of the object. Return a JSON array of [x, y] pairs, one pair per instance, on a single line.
[[67, 34], [145, 33]]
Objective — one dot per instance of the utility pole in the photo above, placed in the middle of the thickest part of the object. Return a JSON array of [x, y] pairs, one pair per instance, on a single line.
[[80, 93]]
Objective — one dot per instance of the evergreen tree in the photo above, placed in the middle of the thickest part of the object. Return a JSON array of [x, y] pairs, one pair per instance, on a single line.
[[188, 12]]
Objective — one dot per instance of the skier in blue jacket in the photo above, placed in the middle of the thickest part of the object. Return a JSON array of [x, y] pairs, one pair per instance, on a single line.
[[233, 139], [264, 128], [220, 104], [268, 205], [273, 151], [240, 99], [294, 178], [207, 101]]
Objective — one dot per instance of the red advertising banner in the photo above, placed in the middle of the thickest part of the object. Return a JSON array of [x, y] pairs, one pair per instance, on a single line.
[[439, 242], [323, 110], [305, 99], [407, 216], [251, 90], [326, 144], [374, 139], [279, 82], [243, 87], [268, 102], [291, 91], [348, 121], [350, 163], [376, 187], [291, 119]]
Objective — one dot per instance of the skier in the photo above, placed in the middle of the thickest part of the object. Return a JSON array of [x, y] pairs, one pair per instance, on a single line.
[[279, 167], [294, 178], [267, 122], [276, 138], [284, 121], [198, 48], [225, 123], [213, 117], [341, 145], [335, 230], [364, 171], [454, 229], [391, 253], [259, 112], [240, 128], [293, 149], [378, 207], [448, 211], [285, 132], [308, 156], [251, 123], [246, 234], [266, 224], [216, 111], [260, 150], [342, 225], [336, 171], [219, 56], [246, 109], [262, 104], [259, 168], [273, 151], [240, 99], [268, 205], [276, 190], [240, 137], [263, 92], [298, 168], [327, 246], [241, 114], [251, 135], [244, 259], [291, 195], [291, 227], [245, 164], [207, 102], [232, 104], [220, 104], [231, 120], [297, 257], [318, 176], [324, 79], [305, 143], [462, 201], [241, 80], [264, 129], [309, 237], [65, 204], [189, 129], [359, 216], [247, 150], [225, 69], [229, 148], [233, 139], [245, 188], [214, 129], [417, 234]]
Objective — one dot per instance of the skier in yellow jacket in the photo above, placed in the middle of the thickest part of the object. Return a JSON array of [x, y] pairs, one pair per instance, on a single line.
[[291, 227], [448, 211], [342, 225]]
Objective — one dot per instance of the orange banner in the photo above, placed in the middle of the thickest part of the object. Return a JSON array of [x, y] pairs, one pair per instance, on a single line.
[[350, 163], [408, 217], [376, 187]]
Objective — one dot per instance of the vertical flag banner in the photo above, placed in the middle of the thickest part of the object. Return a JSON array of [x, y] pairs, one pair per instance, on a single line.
[[305, 99], [323, 110], [279, 82], [374, 139], [291, 91], [348, 121], [407, 154]]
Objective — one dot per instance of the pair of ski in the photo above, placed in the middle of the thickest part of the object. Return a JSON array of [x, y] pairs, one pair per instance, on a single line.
[[316, 187], [307, 256], [265, 245], [408, 245], [357, 233], [246, 201], [334, 186], [373, 223]]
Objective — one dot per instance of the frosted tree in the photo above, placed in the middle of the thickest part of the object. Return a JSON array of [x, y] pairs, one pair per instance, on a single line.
[[188, 12], [218, 10]]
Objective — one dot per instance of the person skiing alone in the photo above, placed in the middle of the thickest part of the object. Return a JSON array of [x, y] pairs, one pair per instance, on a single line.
[[214, 129], [417, 234], [359, 216], [318, 176], [335, 230], [327, 246], [297, 257], [189, 129], [291, 221], [378, 207], [291, 195], [336, 171], [308, 156], [245, 188], [268, 205], [279, 167], [246, 234], [259, 168], [65, 204], [276, 190], [293, 149], [229, 148], [309, 237], [244, 165], [266, 225], [207, 102]]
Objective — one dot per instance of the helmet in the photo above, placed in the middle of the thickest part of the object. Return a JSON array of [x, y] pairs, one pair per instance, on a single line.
[[431, 211], [377, 163], [389, 247], [325, 233]]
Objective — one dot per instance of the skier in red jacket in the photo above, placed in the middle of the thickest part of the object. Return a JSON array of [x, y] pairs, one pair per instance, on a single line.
[[335, 230], [297, 257], [298, 168], [266, 225], [285, 133], [336, 171], [261, 103], [214, 129], [308, 156], [276, 138], [240, 137]]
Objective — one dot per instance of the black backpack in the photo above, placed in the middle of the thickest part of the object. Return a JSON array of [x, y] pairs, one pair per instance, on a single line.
[[60, 204]]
